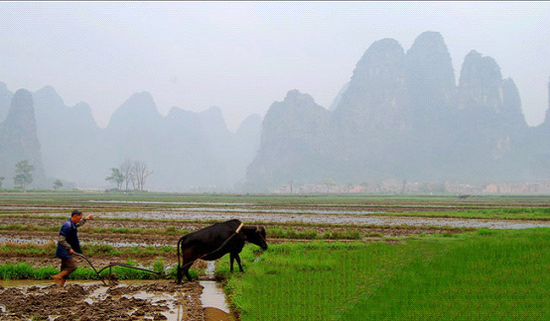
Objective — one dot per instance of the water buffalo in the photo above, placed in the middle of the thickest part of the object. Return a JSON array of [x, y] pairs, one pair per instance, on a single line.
[[213, 242]]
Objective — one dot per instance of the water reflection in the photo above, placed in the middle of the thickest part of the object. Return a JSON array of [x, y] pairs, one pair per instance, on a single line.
[[170, 203], [213, 298]]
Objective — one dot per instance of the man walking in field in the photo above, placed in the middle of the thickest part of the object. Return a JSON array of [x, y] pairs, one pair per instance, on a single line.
[[69, 244]]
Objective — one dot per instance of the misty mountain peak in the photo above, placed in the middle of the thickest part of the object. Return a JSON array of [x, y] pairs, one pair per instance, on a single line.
[[212, 114], [82, 112], [18, 137], [22, 104], [139, 110], [376, 97], [430, 42], [212, 120], [482, 69], [142, 101], [5, 100], [430, 80], [253, 120], [295, 116], [213, 111], [48, 99], [296, 98], [380, 60], [47, 90], [480, 84], [430, 58]]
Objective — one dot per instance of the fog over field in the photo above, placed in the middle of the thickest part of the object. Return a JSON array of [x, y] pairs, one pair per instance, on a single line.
[[254, 96], [243, 56]]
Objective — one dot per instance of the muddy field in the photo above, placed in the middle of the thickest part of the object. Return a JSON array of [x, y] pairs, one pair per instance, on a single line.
[[163, 299]]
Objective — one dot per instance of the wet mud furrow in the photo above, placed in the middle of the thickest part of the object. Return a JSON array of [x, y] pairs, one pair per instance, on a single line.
[[161, 300]]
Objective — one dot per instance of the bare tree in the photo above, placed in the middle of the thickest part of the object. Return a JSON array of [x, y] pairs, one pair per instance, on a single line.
[[140, 172], [126, 168]]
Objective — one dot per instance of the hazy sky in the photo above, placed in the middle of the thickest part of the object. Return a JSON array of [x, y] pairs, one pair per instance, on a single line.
[[243, 56]]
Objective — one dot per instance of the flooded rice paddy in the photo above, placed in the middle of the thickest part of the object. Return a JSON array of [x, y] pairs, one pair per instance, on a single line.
[[163, 299], [169, 217], [312, 216]]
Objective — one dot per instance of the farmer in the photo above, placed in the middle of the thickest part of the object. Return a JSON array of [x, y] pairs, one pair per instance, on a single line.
[[68, 244]]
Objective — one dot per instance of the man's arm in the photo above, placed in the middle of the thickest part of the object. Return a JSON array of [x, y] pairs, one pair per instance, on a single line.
[[62, 240], [82, 222], [84, 219]]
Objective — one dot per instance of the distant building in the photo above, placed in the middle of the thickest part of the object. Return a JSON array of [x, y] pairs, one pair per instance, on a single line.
[[491, 188]]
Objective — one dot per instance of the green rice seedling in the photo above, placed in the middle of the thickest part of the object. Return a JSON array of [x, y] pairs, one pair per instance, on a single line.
[[493, 276], [18, 271], [487, 275], [159, 266], [44, 273], [309, 280]]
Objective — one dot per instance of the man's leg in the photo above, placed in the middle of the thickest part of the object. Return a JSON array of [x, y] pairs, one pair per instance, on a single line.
[[67, 267], [60, 278]]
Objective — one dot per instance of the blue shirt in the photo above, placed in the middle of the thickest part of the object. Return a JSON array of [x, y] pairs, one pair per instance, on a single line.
[[69, 230]]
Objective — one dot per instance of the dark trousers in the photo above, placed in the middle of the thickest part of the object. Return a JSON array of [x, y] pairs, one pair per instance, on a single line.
[[68, 265]]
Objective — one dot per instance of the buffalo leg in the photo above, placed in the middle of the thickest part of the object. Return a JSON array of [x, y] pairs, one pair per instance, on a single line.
[[179, 275], [184, 270], [238, 258], [187, 273]]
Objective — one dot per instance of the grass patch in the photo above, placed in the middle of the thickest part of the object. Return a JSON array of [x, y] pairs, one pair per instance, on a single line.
[[24, 271], [486, 275]]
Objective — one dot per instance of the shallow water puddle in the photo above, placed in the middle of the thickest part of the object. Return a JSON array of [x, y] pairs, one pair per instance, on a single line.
[[212, 297], [322, 216]]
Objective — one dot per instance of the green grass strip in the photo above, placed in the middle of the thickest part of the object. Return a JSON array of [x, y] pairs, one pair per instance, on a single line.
[[486, 275], [25, 271]]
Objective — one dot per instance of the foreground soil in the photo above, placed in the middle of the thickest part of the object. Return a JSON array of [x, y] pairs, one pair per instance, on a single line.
[[161, 300]]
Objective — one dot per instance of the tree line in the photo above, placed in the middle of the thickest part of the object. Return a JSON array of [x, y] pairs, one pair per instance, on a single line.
[[130, 172]]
